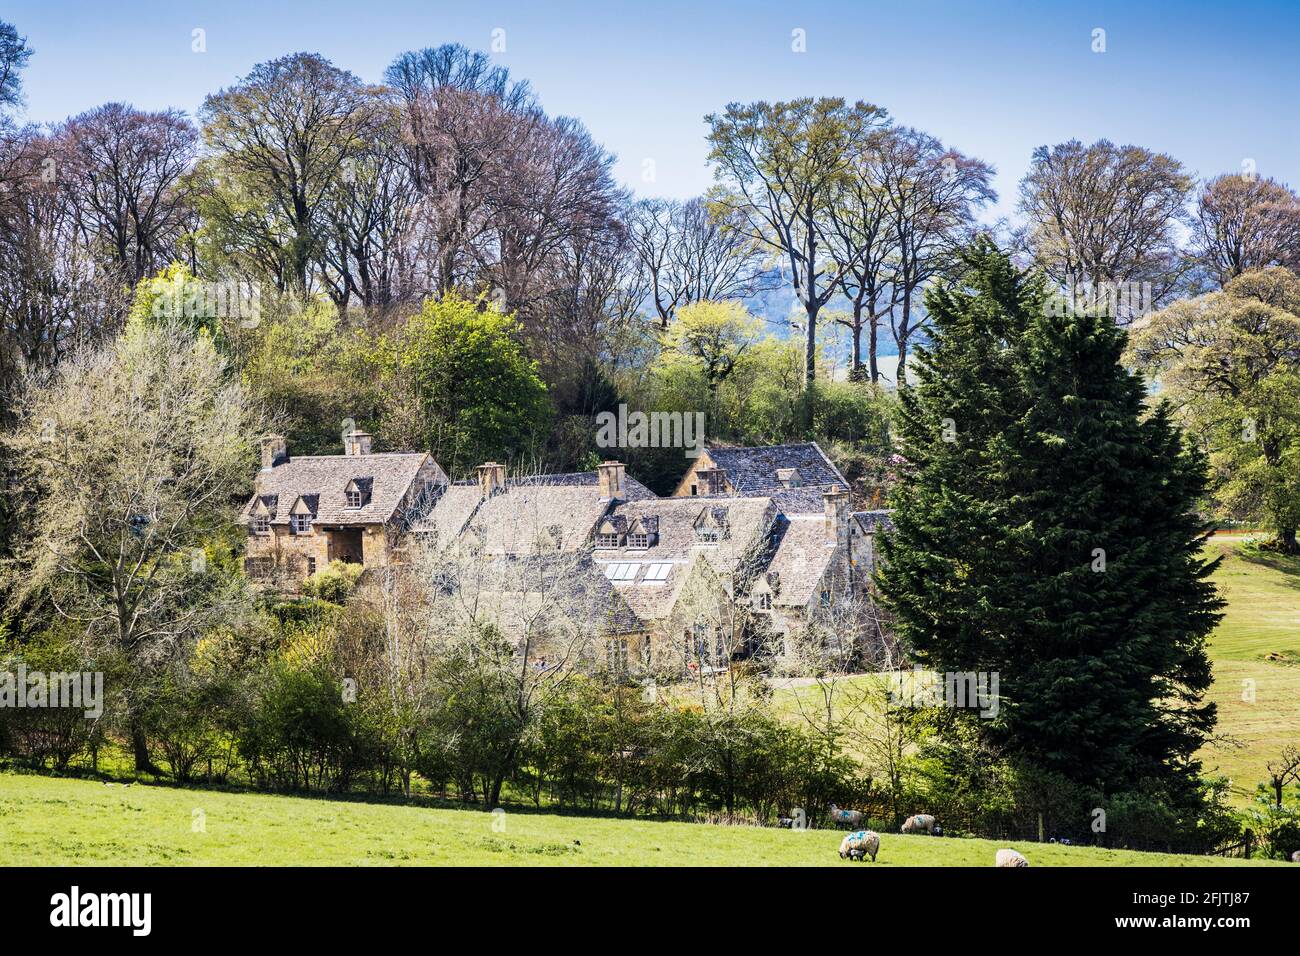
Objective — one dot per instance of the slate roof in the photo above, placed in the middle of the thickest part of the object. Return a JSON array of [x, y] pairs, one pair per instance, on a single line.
[[321, 480], [801, 559], [872, 521], [746, 519], [754, 471], [563, 507]]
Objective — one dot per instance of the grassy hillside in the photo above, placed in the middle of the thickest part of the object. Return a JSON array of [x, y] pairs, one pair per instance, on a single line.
[[1258, 640], [78, 822]]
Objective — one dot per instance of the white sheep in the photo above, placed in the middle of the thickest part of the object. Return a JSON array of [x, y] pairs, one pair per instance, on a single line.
[[857, 845], [1295, 857], [919, 823], [1009, 858], [851, 817]]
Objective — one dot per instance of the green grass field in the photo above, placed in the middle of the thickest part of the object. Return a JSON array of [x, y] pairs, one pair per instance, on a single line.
[[1258, 641], [83, 822]]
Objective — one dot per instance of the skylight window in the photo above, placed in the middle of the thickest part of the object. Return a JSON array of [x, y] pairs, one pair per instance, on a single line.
[[621, 571], [656, 573]]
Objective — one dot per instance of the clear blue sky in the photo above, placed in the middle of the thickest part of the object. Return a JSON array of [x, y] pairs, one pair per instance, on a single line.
[[1210, 83]]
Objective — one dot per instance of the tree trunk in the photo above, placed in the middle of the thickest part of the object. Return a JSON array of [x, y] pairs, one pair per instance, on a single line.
[[1286, 539], [140, 748]]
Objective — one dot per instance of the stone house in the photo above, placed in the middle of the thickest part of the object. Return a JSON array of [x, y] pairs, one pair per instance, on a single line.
[[355, 507]]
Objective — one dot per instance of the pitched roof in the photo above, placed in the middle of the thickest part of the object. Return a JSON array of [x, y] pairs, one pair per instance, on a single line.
[[675, 544], [758, 470], [320, 481], [801, 559]]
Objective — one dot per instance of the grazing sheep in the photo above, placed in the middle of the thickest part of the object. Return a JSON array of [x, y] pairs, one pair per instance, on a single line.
[[919, 823], [1009, 858], [851, 817], [785, 823], [1295, 857], [857, 845]]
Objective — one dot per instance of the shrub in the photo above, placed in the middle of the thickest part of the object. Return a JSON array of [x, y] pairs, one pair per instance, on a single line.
[[334, 582]]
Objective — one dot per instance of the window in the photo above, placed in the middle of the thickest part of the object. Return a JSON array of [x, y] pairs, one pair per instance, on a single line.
[[656, 573], [707, 535], [261, 524], [765, 601], [638, 540], [607, 540], [616, 655], [354, 498], [311, 566], [695, 489], [826, 599], [300, 524], [621, 571], [259, 568]]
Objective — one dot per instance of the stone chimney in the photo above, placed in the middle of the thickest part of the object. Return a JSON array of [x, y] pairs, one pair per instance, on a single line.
[[836, 502], [609, 475], [356, 443], [275, 451], [491, 478]]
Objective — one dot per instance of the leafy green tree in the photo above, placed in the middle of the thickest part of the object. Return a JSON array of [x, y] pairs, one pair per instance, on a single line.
[[1048, 535], [464, 386], [1229, 362]]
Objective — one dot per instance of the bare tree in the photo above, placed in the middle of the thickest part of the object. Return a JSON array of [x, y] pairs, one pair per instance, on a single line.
[[125, 168], [932, 194], [865, 241], [689, 255], [1243, 223], [1285, 769], [1107, 213], [779, 167]]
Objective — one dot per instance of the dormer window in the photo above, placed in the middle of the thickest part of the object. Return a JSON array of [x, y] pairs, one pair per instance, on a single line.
[[357, 492], [300, 524], [710, 526], [641, 540], [261, 524], [607, 540], [765, 600]]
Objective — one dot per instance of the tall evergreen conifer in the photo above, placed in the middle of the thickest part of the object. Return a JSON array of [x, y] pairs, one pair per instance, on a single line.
[[1048, 533]]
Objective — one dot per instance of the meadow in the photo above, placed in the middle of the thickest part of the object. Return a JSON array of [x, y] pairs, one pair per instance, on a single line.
[[53, 821]]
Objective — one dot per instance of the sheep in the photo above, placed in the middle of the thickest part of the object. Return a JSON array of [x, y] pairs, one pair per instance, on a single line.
[[1009, 858], [851, 817], [1295, 857], [919, 823], [857, 845]]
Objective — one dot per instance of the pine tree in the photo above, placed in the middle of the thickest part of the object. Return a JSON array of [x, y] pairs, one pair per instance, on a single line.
[[1048, 533]]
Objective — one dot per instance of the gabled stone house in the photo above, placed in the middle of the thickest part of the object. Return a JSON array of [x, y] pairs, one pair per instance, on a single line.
[[354, 507], [777, 541]]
